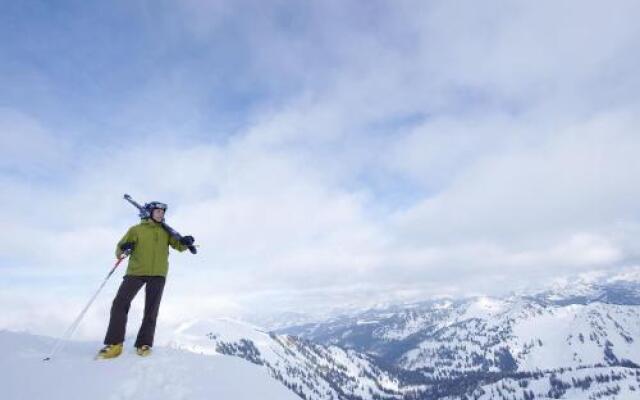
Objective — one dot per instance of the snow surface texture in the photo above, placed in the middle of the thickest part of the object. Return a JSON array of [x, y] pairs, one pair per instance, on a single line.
[[168, 374]]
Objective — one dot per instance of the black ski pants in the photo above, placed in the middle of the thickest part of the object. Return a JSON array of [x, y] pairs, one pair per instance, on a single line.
[[120, 309]]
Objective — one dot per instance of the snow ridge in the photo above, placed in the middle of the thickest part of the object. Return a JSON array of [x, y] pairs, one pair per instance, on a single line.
[[312, 371]]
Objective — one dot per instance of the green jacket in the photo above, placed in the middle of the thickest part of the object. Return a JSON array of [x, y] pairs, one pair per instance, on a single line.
[[150, 256]]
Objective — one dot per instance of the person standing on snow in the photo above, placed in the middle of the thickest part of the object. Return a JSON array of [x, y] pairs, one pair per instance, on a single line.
[[148, 242]]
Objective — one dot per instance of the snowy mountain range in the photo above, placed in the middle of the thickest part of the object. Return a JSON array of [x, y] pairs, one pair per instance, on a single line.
[[567, 334], [310, 370], [577, 340]]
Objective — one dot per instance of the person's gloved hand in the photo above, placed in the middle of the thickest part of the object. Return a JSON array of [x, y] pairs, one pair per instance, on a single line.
[[127, 247], [187, 240]]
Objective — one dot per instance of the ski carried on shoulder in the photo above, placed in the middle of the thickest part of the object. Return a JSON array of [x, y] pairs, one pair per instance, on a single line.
[[144, 213]]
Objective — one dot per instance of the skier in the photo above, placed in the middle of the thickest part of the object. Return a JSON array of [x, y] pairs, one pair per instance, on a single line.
[[149, 245]]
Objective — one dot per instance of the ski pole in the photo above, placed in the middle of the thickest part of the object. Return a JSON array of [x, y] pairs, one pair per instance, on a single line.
[[67, 335]]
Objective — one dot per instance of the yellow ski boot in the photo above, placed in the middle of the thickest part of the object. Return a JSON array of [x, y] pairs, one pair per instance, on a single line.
[[143, 351], [109, 351]]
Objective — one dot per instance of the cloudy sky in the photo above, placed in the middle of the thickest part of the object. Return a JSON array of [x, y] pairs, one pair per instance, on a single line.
[[324, 154]]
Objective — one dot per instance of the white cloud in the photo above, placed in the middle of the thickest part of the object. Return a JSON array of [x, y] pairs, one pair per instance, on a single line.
[[514, 127], [570, 180], [27, 148]]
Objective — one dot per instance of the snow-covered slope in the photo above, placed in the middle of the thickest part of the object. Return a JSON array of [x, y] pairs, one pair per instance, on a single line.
[[311, 370], [169, 374], [584, 384]]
